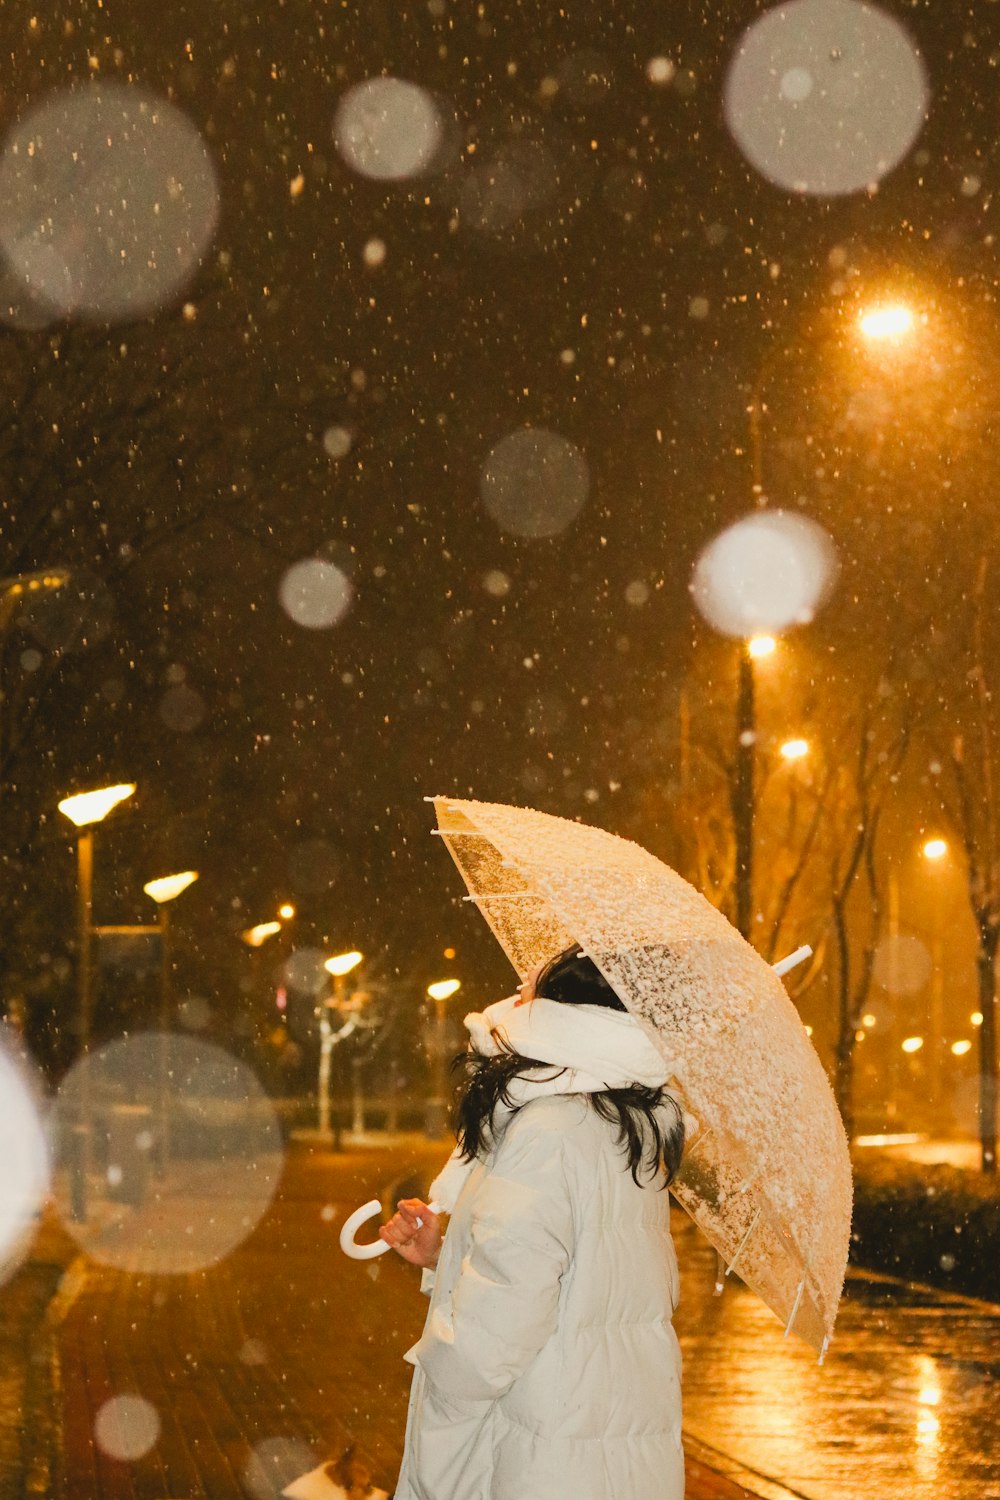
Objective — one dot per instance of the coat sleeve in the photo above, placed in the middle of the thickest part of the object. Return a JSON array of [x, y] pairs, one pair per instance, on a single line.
[[505, 1302]]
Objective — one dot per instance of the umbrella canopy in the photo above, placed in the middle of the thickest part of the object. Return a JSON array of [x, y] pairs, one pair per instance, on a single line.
[[766, 1172]]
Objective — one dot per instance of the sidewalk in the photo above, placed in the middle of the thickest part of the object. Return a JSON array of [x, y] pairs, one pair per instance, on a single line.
[[262, 1366], [286, 1352]]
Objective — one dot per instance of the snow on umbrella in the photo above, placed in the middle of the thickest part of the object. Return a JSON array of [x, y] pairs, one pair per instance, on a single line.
[[766, 1173]]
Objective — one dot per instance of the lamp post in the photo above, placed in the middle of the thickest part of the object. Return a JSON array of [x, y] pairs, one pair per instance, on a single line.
[[84, 810], [440, 992], [164, 890], [339, 967], [743, 796]]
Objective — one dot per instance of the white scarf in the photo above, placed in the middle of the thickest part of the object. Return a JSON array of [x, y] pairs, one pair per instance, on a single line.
[[598, 1048]]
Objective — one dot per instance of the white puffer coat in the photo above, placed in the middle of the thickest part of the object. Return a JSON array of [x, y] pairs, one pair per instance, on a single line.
[[548, 1368]]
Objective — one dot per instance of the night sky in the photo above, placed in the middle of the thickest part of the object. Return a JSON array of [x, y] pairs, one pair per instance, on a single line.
[[588, 253]]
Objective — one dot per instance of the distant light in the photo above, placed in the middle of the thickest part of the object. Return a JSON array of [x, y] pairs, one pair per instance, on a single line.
[[281, 997], [859, 1036], [761, 645], [169, 886], [809, 1031], [795, 749], [868, 1020], [449, 953], [962, 1047], [286, 912], [254, 936], [888, 322], [343, 963], [913, 1044], [935, 849], [908, 1138], [93, 807], [976, 1018], [443, 988]]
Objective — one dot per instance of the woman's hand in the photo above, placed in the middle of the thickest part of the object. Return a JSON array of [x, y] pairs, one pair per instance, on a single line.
[[420, 1245]]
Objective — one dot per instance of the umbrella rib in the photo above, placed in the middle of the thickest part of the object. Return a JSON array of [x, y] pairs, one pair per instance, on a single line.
[[798, 1297], [504, 896], [740, 1247]]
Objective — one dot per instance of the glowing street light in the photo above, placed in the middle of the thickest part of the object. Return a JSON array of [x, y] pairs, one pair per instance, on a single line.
[[254, 937], [286, 912], [163, 890], [912, 1043], [84, 809], [761, 645], [168, 887], [442, 989], [960, 1048], [976, 1018], [794, 749], [339, 966], [868, 1020], [887, 321], [343, 963], [935, 848], [436, 1122]]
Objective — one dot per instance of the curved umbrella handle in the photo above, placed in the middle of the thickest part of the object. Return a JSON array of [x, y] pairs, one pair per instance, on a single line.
[[360, 1216]]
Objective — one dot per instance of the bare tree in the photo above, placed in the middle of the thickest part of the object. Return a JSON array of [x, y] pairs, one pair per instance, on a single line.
[[971, 804]]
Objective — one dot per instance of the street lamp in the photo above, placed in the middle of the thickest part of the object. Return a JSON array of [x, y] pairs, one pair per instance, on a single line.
[[339, 967], [886, 321], [164, 890], [743, 791], [440, 992], [935, 849], [85, 809], [255, 937], [794, 749]]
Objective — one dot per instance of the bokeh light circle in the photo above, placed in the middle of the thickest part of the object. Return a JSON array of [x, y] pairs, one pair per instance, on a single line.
[[110, 202], [766, 572], [164, 1100], [126, 1428], [387, 128], [534, 482], [315, 594], [182, 709], [902, 964], [337, 441], [303, 971], [24, 1162], [825, 96], [497, 583]]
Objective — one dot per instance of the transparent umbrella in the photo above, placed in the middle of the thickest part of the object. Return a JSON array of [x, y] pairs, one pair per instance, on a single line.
[[766, 1173]]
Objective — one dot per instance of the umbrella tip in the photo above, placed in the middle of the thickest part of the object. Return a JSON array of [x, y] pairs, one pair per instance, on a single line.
[[784, 965]]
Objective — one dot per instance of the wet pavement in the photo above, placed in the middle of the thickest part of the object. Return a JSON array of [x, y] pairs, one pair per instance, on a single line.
[[906, 1406], [286, 1352]]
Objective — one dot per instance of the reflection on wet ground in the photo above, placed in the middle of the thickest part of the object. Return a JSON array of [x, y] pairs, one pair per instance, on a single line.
[[906, 1405]]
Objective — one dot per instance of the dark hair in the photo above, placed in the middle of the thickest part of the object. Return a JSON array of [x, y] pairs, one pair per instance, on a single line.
[[645, 1137], [574, 979]]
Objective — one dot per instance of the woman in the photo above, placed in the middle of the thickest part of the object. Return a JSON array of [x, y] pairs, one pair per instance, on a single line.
[[548, 1366]]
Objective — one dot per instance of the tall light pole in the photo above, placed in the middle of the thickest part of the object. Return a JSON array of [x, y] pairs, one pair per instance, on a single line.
[[743, 795], [164, 890], [84, 810], [339, 967], [437, 1107]]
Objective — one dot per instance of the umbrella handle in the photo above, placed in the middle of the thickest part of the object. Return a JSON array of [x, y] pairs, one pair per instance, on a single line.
[[360, 1216]]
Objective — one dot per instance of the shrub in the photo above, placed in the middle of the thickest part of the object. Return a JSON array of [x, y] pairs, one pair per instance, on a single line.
[[939, 1225]]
